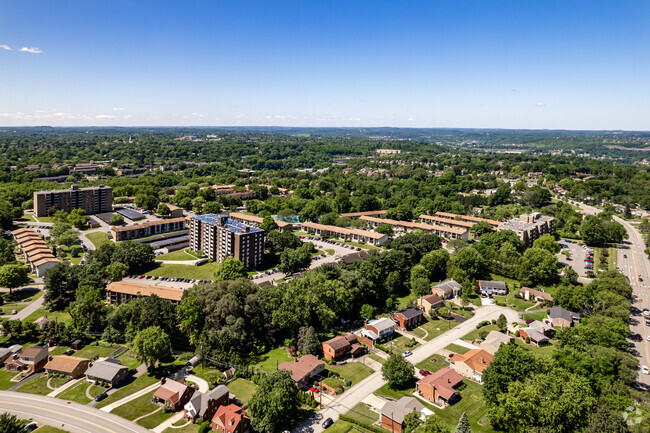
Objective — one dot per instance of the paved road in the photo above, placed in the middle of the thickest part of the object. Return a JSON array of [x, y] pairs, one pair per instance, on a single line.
[[370, 384], [69, 416]]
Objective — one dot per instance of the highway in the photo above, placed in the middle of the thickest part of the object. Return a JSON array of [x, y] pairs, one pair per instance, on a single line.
[[370, 384], [66, 415]]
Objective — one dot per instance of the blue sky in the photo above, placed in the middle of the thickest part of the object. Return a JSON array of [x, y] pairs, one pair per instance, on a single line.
[[507, 64]]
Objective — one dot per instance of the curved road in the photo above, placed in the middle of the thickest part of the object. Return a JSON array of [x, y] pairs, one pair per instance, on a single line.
[[70, 416]]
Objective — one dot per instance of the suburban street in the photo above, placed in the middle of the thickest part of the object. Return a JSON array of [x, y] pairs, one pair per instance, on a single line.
[[370, 384], [66, 415]]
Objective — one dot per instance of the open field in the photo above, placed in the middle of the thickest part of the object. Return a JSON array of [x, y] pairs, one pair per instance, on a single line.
[[91, 352], [203, 272], [179, 255], [59, 316], [98, 238]]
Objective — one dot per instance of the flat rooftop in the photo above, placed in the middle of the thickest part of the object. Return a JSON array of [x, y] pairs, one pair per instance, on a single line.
[[233, 226], [131, 214]]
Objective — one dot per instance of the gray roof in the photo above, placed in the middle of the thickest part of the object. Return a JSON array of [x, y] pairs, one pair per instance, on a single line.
[[382, 324], [105, 370], [497, 337], [410, 312], [536, 336], [540, 326], [559, 312], [397, 410], [492, 284], [200, 400], [449, 286]]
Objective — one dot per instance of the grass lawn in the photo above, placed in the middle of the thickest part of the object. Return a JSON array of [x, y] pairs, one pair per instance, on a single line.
[[5, 379], [46, 219], [212, 375], [330, 252], [27, 217], [387, 392], [136, 408], [352, 371], [473, 404], [404, 301], [400, 344], [243, 389], [179, 255], [203, 272], [535, 316], [78, 392], [457, 349], [128, 359], [49, 429], [91, 352], [190, 428], [6, 309], [518, 304], [270, 360], [545, 351], [59, 316], [358, 245], [154, 419], [433, 328], [428, 364], [461, 311], [377, 358], [126, 390], [474, 334], [98, 238], [39, 386], [338, 427], [362, 413]]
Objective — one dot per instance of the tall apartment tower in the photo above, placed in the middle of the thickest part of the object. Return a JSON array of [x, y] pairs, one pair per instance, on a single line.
[[218, 237], [95, 199]]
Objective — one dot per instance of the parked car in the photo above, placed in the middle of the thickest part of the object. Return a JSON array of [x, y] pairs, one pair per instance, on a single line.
[[30, 427], [425, 372], [638, 337], [644, 369], [314, 389], [646, 312], [101, 396], [407, 353], [328, 422]]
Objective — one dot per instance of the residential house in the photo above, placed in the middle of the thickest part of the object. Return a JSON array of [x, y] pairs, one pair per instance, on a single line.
[[376, 331], [494, 340], [31, 360], [538, 332], [440, 387], [341, 347], [563, 318], [408, 317], [204, 406], [492, 288], [472, 364], [533, 294], [231, 419], [303, 369], [392, 414], [72, 366], [110, 371], [447, 290], [173, 393], [7, 352], [430, 302]]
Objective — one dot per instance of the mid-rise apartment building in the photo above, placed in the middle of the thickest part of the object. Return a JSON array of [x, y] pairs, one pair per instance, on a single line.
[[218, 237], [95, 199], [530, 226], [148, 228]]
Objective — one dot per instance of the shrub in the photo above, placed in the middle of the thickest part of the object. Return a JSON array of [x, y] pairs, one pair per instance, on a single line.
[[517, 334], [205, 427], [494, 321], [527, 340], [484, 333]]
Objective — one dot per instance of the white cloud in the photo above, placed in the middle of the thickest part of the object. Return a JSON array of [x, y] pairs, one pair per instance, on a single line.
[[104, 116], [118, 108], [32, 50], [6, 47], [540, 104]]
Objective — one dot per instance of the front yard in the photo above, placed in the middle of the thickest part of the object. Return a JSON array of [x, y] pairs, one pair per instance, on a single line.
[[39, 385], [5, 379], [433, 363], [474, 335], [400, 343], [431, 328], [347, 375], [457, 349], [141, 406], [128, 389], [242, 388], [78, 392]]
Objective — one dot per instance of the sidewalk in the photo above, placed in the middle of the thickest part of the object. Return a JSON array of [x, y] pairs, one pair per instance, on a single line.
[[167, 423], [65, 386], [131, 397]]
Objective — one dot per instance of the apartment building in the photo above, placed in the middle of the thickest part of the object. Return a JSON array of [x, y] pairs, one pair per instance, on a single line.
[[467, 218], [356, 235], [95, 199], [119, 292], [148, 228], [530, 226], [257, 221], [218, 237], [407, 226], [370, 213]]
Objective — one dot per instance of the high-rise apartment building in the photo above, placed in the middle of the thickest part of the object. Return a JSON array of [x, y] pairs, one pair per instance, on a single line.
[[218, 237], [95, 199], [530, 226]]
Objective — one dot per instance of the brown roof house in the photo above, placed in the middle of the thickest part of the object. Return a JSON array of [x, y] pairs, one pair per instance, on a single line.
[[447, 290], [173, 393], [430, 302], [303, 369], [204, 406], [408, 317], [393, 412], [342, 347], [440, 387], [71, 366], [472, 364], [534, 294], [231, 419], [32, 359]]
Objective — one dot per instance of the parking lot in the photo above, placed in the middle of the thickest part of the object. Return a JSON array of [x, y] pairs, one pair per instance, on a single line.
[[578, 254]]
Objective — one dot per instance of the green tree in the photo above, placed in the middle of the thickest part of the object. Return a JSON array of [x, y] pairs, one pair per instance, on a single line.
[[593, 231], [190, 317], [411, 421], [435, 263], [367, 312], [385, 229], [463, 424], [481, 228], [470, 261], [538, 266], [509, 365], [163, 210], [308, 341], [116, 271], [274, 405], [502, 322], [13, 276], [397, 371], [10, 423], [433, 424], [77, 218], [151, 344], [277, 241], [295, 260], [268, 224], [116, 220], [547, 242], [61, 283], [230, 269]]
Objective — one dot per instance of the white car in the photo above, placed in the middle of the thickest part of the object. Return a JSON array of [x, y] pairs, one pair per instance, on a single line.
[[644, 369], [409, 353], [648, 338], [646, 313]]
